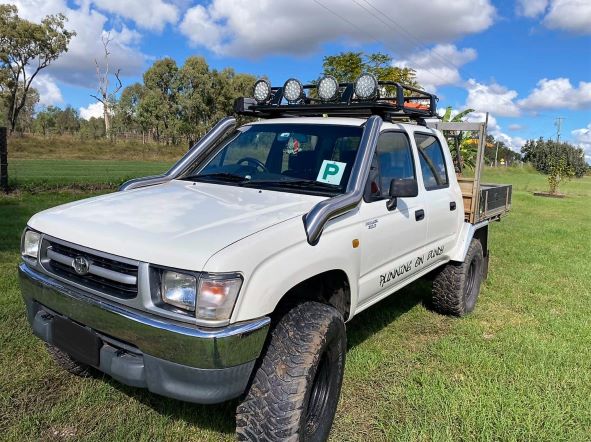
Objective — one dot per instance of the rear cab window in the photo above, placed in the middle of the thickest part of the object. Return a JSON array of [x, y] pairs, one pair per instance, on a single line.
[[432, 161]]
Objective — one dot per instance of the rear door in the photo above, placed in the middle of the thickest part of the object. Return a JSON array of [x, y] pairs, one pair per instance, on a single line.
[[442, 203], [390, 239]]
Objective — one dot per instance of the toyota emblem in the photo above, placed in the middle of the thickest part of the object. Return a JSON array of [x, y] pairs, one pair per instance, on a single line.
[[81, 265]]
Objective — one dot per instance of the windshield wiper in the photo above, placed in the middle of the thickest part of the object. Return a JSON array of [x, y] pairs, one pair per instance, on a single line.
[[303, 184], [219, 176]]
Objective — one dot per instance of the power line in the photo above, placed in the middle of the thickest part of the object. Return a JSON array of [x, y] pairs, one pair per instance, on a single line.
[[411, 37], [367, 34]]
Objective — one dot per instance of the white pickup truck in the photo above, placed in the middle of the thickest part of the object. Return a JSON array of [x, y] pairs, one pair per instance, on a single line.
[[233, 274]]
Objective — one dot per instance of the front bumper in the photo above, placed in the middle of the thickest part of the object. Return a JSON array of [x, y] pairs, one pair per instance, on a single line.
[[173, 359]]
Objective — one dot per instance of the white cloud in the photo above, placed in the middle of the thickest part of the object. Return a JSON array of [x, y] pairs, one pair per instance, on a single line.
[[491, 98], [148, 14], [49, 92], [582, 137], [568, 15], [77, 65], [248, 28], [558, 93], [493, 128], [439, 65], [92, 110], [531, 8]]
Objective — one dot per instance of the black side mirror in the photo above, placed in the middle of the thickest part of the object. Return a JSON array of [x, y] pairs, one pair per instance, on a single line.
[[401, 188]]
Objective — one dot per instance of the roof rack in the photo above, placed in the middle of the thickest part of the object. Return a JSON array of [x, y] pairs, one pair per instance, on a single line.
[[394, 102]]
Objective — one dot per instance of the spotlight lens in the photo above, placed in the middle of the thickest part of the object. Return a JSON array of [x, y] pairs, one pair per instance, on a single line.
[[293, 90], [262, 91], [366, 86], [328, 88]]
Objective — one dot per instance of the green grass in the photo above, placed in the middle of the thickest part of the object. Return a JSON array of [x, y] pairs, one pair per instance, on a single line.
[[53, 173], [518, 368]]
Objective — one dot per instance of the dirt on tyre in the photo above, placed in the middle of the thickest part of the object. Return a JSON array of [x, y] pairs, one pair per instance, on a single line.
[[65, 361], [457, 284], [295, 391]]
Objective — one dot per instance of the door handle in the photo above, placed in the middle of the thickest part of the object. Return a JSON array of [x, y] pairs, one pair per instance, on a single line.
[[419, 214], [452, 205]]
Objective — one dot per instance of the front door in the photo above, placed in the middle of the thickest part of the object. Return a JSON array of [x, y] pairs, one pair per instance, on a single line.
[[391, 240]]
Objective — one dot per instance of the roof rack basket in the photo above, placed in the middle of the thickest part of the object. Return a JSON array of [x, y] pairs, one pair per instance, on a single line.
[[394, 102]]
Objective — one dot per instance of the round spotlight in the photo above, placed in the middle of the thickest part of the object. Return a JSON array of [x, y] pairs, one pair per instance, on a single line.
[[328, 88], [293, 91], [262, 91], [366, 87]]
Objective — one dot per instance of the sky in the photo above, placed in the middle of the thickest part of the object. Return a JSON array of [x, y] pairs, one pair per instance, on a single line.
[[525, 62]]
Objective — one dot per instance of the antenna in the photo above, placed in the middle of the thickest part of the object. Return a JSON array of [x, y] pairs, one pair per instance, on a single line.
[[558, 124]]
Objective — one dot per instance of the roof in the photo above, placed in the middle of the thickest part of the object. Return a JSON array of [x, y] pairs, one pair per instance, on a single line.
[[338, 121]]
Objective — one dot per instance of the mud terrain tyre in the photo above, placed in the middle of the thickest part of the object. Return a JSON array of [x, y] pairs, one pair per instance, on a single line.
[[295, 391], [457, 285], [65, 361]]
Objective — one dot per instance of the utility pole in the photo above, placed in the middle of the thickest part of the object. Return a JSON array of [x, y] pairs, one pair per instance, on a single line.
[[558, 124], [496, 153]]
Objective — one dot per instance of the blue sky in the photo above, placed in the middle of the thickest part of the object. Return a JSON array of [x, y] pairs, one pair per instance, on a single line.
[[525, 62]]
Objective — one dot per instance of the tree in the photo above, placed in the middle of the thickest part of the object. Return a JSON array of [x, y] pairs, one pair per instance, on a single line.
[[67, 121], [92, 129], [25, 49], [468, 149], [106, 97], [558, 171], [25, 119], [126, 115], [347, 66], [159, 105], [544, 155]]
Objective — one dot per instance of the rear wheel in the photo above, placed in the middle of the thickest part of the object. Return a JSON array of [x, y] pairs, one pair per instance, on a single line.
[[296, 389], [457, 285], [65, 361]]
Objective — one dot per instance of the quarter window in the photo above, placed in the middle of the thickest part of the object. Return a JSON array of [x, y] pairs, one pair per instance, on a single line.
[[432, 161]]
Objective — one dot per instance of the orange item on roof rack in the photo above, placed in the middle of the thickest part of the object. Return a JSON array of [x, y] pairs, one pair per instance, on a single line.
[[413, 105]]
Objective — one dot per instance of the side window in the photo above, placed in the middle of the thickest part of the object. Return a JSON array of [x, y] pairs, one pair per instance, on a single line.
[[432, 161], [394, 160]]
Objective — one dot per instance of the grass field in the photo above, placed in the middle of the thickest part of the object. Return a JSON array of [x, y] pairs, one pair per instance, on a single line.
[[518, 368], [52, 173]]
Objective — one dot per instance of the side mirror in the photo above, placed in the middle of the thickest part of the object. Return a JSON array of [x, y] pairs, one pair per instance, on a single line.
[[401, 188]]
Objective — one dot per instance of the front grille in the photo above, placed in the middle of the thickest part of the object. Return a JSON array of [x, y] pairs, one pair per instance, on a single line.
[[119, 279]]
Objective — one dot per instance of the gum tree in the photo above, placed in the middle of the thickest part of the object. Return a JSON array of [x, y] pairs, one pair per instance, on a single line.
[[26, 48]]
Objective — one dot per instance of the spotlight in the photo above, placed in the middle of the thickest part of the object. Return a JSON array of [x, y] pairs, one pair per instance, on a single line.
[[366, 87], [328, 88], [293, 91], [262, 91]]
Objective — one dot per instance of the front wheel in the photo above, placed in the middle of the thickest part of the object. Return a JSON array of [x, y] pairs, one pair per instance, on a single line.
[[296, 389]]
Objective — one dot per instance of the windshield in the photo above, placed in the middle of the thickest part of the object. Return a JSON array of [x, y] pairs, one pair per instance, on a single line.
[[304, 158]]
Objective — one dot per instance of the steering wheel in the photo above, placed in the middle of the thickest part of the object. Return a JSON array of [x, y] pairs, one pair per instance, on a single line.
[[253, 162]]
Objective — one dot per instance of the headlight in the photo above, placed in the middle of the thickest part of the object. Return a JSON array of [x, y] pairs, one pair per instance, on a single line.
[[210, 296], [30, 244], [217, 295], [179, 289]]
